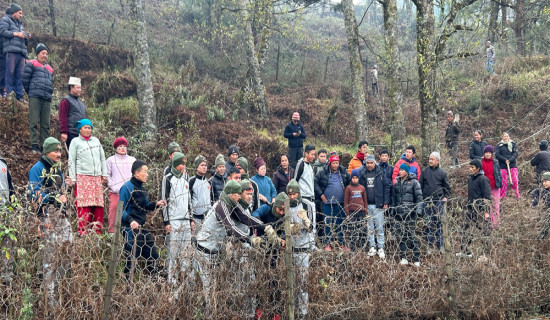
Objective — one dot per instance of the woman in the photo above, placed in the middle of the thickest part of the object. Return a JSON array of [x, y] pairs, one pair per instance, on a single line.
[[265, 185], [507, 153], [491, 170], [88, 172], [119, 170], [283, 174], [477, 145]]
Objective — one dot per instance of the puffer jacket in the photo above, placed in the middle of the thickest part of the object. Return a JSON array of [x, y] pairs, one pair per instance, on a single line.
[[12, 44], [321, 180], [406, 195], [217, 183], [281, 179], [502, 154], [476, 149], [479, 189], [37, 80]]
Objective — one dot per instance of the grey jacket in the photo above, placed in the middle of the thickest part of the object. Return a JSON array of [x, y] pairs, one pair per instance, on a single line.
[[12, 44], [175, 191]]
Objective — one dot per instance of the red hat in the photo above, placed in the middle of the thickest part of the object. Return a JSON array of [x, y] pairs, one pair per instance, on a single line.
[[333, 158], [119, 141], [295, 116]]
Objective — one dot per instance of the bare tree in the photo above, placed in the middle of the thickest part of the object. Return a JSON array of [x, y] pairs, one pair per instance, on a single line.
[[52, 17]]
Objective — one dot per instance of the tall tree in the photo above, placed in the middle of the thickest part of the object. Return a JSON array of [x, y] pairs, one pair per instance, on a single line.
[[356, 66], [142, 71], [52, 17]]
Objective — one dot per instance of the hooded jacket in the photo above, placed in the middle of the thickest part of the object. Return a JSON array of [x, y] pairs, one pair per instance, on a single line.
[[12, 44], [541, 161], [295, 142], [415, 168], [479, 189], [175, 191], [217, 183]]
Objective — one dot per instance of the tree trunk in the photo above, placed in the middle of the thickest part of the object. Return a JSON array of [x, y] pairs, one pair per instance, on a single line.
[[504, 17], [518, 26], [52, 16], [358, 91], [253, 92], [142, 71], [392, 66], [109, 37], [493, 27]]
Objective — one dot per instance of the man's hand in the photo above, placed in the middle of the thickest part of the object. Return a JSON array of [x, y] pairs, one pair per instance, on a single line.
[[161, 203], [302, 214], [134, 225], [444, 199], [507, 161], [323, 198], [272, 235], [64, 137], [486, 215], [63, 198], [296, 134], [263, 198], [257, 242], [168, 228], [282, 242], [19, 35]]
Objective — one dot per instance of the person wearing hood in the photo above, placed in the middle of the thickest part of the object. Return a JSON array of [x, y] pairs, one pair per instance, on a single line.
[[88, 172], [266, 189], [541, 161], [477, 145], [296, 134], [173, 147], [177, 219], [477, 213], [283, 175], [199, 189], [506, 154], [407, 200], [491, 169], [409, 158], [242, 165], [232, 156], [218, 179], [119, 170], [357, 161]]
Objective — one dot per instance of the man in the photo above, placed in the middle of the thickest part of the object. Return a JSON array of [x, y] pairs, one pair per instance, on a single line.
[[543, 195], [321, 161], [71, 110], [46, 190], [330, 184], [357, 161], [374, 76], [3, 61], [385, 166], [451, 138], [177, 218], [15, 41], [218, 180], [6, 185], [173, 147], [304, 173], [200, 192], [435, 190], [477, 214], [232, 156], [490, 53], [377, 187], [242, 165], [410, 160], [541, 161], [296, 134], [37, 81], [233, 174]]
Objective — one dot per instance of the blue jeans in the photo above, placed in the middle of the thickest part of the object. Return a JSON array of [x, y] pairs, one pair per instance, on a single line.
[[2, 72], [375, 221], [433, 210], [15, 65], [334, 216], [490, 66]]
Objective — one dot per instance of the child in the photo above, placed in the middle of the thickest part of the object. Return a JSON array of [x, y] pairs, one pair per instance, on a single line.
[[355, 206]]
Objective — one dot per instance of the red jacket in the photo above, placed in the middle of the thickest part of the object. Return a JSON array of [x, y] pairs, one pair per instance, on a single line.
[[415, 168]]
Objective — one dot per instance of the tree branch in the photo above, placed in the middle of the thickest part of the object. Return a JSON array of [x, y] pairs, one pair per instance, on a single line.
[[457, 55]]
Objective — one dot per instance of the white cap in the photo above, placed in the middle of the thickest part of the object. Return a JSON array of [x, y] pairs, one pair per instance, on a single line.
[[74, 81], [436, 155]]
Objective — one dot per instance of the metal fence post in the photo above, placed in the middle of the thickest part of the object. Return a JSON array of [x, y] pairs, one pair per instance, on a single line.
[[288, 262], [115, 253]]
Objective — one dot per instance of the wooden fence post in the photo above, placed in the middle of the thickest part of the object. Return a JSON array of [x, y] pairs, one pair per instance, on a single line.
[[115, 254], [288, 262]]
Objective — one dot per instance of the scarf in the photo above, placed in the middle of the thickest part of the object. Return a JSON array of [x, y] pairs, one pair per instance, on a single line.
[[360, 156], [225, 198], [175, 172], [48, 160], [509, 144]]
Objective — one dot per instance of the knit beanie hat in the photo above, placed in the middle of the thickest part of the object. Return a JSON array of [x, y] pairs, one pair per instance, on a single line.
[[246, 185], [51, 144], [198, 160], [450, 113], [489, 148], [219, 160], [177, 159], [233, 149], [41, 47], [546, 176], [279, 200], [370, 157], [295, 116], [15, 8], [243, 163], [258, 162], [173, 147], [231, 187], [293, 186], [120, 141], [355, 173], [333, 158], [84, 122], [436, 155], [543, 145], [405, 167]]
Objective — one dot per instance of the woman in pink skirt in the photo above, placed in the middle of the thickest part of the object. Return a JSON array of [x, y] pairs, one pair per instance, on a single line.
[[506, 153]]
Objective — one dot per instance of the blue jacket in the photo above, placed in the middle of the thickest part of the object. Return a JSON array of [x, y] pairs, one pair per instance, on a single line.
[[44, 185], [136, 204], [292, 140], [266, 215], [381, 186], [12, 44], [265, 186]]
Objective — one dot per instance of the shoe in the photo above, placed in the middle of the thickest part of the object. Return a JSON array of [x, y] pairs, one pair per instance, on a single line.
[[464, 255], [404, 262], [372, 252], [328, 248], [381, 253], [4, 94], [22, 100], [417, 264], [11, 95], [35, 149]]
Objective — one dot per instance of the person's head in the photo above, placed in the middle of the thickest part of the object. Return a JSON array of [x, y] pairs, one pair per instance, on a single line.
[[322, 156], [172, 148], [121, 145], [375, 66], [309, 153], [247, 191], [139, 170], [284, 161], [404, 170], [334, 163], [488, 151], [370, 162], [295, 118], [75, 86], [355, 176], [410, 152], [543, 145], [84, 127], [384, 155], [293, 190], [179, 161], [546, 180], [219, 164], [488, 43], [475, 166], [259, 165], [233, 153], [434, 159], [279, 204], [41, 53], [16, 11], [233, 190], [242, 164], [505, 137], [200, 165], [362, 146], [234, 174], [478, 134], [450, 116], [52, 149]]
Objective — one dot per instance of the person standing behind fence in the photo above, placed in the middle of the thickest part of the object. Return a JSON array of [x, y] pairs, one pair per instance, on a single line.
[[407, 198], [477, 145], [541, 161], [3, 93], [283, 175], [71, 110], [200, 191], [435, 191], [491, 169], [242, 165], [543, 195], [265, 185], [296, 134], [355, 206], [173, 147], [359, 159], [218, 180], [6, 185], [138, 242], [506, 154], [408, 158], [490, 54], [374, 77], [88, 172], [451, 137], [37, 81], [119, 170]]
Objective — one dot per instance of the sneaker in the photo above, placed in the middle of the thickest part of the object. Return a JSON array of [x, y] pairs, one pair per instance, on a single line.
[[372, 252], [381, 253], [22, 100], [404, 262], [464, 255], [417, 264]]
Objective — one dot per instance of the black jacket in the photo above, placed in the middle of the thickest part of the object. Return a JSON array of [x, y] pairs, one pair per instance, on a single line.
[[476, 149], [502, 154], [37, 80], [217, 183], [541, 161], [280, 179], [407, 197], [452, 132], [137, 205], [434, 183], [381, 186], [292, 140], [479, 189], [12, 44], [321, 180]]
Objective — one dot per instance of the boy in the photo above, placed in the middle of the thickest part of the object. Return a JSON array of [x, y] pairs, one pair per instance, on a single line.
[[355, 205]]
